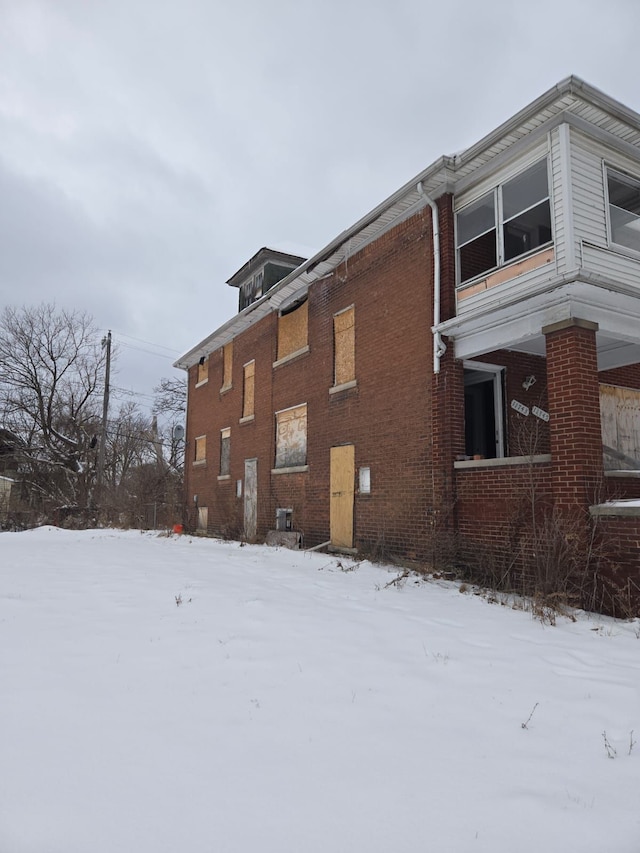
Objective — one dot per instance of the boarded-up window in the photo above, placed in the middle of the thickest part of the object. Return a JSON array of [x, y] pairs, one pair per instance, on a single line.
[[344, 346], [291, 437], [201, 449], [248, 396], [292, 330], [620, 417], [225, 452], [203, 517], [203, 370], [227, 365]]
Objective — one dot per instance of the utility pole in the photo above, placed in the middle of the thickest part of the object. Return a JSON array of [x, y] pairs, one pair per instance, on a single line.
[[106, 342]]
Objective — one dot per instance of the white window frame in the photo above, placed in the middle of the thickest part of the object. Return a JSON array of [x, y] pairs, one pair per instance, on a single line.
[[500, 222], [497, 372], [607, 170]]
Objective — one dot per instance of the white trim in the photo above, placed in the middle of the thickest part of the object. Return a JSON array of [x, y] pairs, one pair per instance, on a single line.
[[345, 386], [344, 310], [247, 419], [202, 382], [291, 356], [290, 408], [503, 461], [564, 144], [294, 469]]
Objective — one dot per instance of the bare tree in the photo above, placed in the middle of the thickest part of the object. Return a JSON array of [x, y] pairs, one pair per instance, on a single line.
[[171, 403], [171, 398], [51, 376]]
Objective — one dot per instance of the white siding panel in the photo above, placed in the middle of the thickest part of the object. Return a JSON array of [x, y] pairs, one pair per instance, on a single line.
[[557, 199], [513, 290], [612, 265], [590, 218]]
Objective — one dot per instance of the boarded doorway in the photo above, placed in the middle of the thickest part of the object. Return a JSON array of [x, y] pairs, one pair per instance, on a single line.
[[342, 490], [620, 417], [250, 498]]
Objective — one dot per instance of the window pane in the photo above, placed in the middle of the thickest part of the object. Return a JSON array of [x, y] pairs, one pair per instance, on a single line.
[[528, 231], [624, 211], [625, 228], [476, 219], [525, 190], [624, 193], [478, 256]]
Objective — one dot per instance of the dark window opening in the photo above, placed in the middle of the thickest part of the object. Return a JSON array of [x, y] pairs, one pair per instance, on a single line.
[[482, 432]]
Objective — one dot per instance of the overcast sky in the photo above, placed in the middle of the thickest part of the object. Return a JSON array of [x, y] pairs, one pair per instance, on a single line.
[[148, 148]]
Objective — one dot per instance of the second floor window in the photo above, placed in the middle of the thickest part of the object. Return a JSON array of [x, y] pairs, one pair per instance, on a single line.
[[509, 221], [624, 210], [344, 342], [203, 370], [292, 329], [227, 366], [248, 394]]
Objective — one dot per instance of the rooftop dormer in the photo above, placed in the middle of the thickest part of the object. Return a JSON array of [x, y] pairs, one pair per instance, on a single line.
[[266, 268]]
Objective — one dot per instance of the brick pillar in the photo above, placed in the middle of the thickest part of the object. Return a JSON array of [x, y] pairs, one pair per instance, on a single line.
[[574, 410]]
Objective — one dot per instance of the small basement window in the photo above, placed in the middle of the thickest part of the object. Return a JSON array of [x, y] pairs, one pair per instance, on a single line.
[[364, 476], [284, 519]]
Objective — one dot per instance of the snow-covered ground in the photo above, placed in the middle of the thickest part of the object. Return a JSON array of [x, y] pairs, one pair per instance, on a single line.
[[164, 694]]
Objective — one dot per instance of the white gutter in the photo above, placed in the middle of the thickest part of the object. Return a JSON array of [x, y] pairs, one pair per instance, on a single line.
[[439, 346]]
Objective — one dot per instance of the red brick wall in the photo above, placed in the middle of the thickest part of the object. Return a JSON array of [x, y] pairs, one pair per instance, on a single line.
[[618, 591], [627, 377], [494, 503], [386, 416]]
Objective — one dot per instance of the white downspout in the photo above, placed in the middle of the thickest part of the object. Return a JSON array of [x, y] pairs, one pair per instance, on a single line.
[[439, 346]]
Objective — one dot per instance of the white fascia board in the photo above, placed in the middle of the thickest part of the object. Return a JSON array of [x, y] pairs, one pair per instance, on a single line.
[[617, 315]]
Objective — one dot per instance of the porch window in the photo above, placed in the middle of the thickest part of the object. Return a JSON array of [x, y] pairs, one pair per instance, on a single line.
[[624, 210], [511, 220]]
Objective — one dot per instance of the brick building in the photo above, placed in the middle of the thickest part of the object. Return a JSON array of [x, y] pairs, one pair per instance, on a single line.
[[455, 369]]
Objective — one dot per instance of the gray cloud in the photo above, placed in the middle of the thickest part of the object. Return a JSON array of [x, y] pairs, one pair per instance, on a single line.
[[148, 149]]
